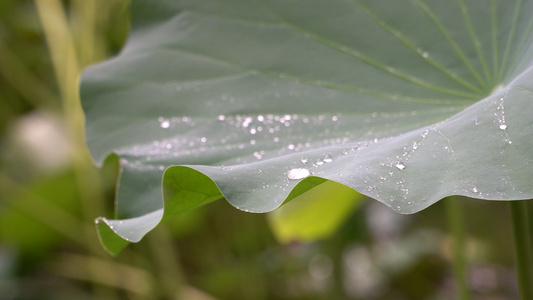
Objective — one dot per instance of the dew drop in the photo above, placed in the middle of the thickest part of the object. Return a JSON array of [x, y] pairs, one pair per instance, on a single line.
[[304, 160], [328, 159], [425, 55], [474, 189], [299, 173], [165, 124], [503, 126], [400, 166]]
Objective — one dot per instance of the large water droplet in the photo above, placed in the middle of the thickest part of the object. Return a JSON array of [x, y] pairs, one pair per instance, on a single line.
[[400, 166], [298, 173], [165, 124]]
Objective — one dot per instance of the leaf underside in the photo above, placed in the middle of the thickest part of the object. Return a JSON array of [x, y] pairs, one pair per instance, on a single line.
[[262, 102]]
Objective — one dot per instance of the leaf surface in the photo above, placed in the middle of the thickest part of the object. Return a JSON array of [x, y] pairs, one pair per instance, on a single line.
[[257, 102]]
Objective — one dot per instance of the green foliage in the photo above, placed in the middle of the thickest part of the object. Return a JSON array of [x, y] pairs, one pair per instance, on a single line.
[[50, 193], [406, 102], [20, 225]]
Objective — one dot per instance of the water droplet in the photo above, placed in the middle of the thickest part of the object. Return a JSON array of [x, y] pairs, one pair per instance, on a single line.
[[221, 117], [400, 166], [425, 55], [328, 159], [304, 160], [503, 126], [474, 189], [165, 124], [299, 173]]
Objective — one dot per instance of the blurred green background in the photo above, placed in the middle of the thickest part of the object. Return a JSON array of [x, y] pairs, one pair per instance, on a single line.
[[50, 194]]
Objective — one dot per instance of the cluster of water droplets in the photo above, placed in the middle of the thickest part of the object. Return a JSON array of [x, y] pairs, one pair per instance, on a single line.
[[300, 173], [166, 123], [311, 162], [271, 134], [499, 113]]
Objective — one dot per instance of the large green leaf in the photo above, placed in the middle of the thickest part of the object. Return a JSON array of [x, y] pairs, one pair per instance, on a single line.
[[258, 102]]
